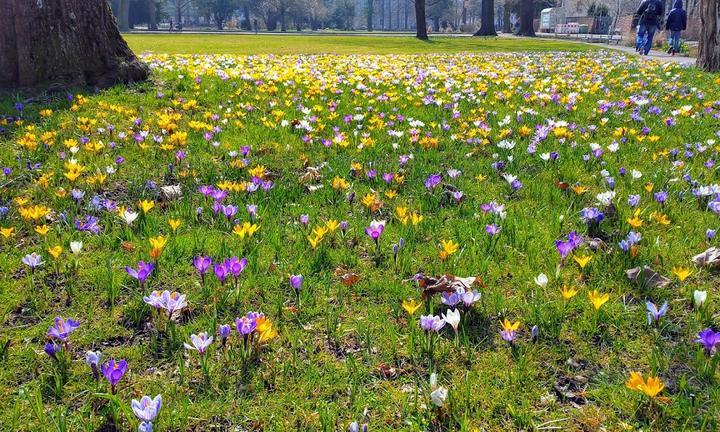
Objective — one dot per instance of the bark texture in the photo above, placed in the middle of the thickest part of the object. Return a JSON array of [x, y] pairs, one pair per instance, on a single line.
[[487, 19], [709, 48], [527, 10], [55, 44], [420, 21]]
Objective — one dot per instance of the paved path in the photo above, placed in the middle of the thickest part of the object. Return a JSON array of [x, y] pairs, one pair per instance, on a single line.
[[656, 55], [660, 56]]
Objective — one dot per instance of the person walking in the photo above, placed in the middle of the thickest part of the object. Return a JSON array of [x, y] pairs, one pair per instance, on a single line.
[[676, 22], [650, 15]]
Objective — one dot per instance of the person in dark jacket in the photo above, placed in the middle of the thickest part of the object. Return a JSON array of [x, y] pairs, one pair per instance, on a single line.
[[676, 22], [650, 15]]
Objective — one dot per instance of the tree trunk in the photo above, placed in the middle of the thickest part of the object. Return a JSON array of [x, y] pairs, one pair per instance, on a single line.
[[405, 9], [63, 43], [246, 24], [507, 25], [487, 20], [283, 25], [709, 49], [124, 15], [389, 25], [381, 10], [397, 17], [420, 22], [370, 15], [152, 15], [527, 10]]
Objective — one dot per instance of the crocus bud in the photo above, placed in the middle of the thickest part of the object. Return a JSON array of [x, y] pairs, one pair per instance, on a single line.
[[699, 298]]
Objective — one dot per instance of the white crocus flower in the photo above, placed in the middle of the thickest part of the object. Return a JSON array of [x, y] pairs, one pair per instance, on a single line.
[[438, 394], [699, 297], [76, 246], [452, 317], [541, 280], [128, 216]]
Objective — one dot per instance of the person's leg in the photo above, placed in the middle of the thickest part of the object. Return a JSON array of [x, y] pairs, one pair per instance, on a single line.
[[640, 40], [649, 38], [675, 36]]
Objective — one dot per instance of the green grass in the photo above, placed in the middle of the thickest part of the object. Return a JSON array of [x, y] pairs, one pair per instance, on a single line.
[[324, 44], [352, 353]]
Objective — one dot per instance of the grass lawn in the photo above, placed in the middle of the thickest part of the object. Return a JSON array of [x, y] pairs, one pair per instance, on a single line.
[[153, 213], [323, 44]]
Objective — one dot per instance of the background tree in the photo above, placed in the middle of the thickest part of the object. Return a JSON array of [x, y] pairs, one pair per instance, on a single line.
[[436, 10], [709, 49], [527, 14], [63, 43], [420, 21], [370, 11], [219, 11], [487, 19], [124, 15]]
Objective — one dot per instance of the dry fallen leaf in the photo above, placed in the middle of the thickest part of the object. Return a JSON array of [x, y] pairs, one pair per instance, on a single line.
[[647, 276]]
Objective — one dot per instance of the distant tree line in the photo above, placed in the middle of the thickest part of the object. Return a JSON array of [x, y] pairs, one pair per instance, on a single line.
[[297, 15]]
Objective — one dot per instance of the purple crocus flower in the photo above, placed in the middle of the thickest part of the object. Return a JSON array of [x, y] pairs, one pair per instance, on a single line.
[[508, 335], [224, 333], [661, 197], [88, 224], [252, 211], [202, 265], [709, 340], [431, 323], [142, 273], [62, 328], [450, 299], [146, 409], [245, 325], [113, 371], [433, 181], [633, 200], [51, 349], [375, 230], [653, 313], [296, 282], [469, 297], [33, 261], [92, 358], [710, 234], [492, 230], [564, 248], [221, 272], [304, 219], [235, 266], [592, 215], [229, 211]]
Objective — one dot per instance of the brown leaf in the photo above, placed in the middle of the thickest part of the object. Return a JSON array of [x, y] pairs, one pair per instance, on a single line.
[[647, 276], [446, 283]]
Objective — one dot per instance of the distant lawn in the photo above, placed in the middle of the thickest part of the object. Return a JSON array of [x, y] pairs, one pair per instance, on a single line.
[[320, 44]]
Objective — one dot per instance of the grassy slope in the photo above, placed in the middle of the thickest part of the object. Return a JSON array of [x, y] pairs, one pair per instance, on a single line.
[[322, 374]]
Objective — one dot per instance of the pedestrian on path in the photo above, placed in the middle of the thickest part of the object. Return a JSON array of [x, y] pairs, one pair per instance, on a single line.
[[650, 16], [676, 22]]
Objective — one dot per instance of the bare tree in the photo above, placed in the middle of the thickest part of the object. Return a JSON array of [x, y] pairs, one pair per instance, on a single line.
[[709, 49], [527, 12], [487, 19], [420, 21], [63, 43]]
